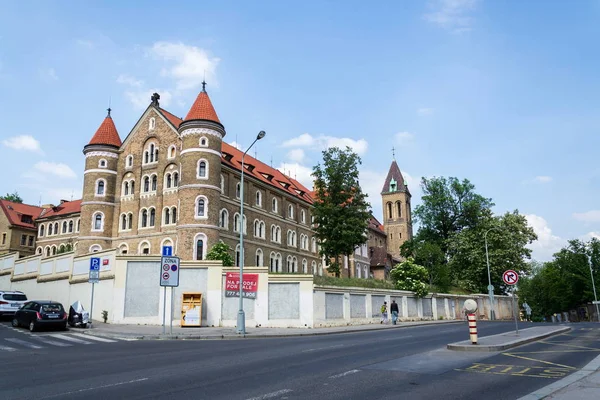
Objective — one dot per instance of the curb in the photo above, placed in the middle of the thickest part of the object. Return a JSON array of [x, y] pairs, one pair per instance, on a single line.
[[467, 346], [122, 336], [590, 368]]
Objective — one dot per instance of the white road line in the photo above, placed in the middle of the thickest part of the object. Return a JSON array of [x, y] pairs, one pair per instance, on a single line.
[[70, 339], [94, 388], [7, 348], [25, 343], [51, 342], [271, 395], [324, 348], [100, 339], [353, 371]]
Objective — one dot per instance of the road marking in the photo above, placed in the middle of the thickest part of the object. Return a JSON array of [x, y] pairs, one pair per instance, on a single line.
[[271, 395], [95, 388], [7, 348], [353, 371], [324, 348], [70, 339], [100, 339], [518, 370], [541, 361], [51, 342], [25, 343], [571, 345]]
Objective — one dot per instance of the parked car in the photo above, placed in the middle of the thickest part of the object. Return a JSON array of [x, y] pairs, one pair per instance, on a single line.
[[10, 302], [38, 314]]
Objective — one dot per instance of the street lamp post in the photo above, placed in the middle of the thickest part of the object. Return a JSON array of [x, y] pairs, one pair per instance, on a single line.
[[241, 318], [490, 287], [595, 296]]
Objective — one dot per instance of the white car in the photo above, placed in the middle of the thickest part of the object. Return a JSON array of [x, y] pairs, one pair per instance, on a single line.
[[10, 302]]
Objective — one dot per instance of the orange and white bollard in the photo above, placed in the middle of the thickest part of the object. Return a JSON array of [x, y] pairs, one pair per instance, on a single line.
[[472, 328]]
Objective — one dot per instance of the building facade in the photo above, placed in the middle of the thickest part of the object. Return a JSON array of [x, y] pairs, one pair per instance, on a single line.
[[395, 198]]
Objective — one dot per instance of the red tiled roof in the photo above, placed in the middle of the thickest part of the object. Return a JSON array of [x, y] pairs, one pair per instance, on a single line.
[[376, 225], [107, 134], [176, 121], [277, 179], [65, 208], [202, 109], [15, 211]]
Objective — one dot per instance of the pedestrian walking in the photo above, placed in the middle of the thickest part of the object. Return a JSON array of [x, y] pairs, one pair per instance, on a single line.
[[394, 310], [384, 313]]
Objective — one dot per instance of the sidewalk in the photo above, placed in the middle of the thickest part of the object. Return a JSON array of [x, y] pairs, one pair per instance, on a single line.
[[508, 340], [148, 332]]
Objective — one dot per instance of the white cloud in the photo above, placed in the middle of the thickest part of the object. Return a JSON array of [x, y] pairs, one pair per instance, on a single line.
[[543, 179], [299, 172], [590, 235], [189, 65], [85, 43], [141, 98], [236, 145], [54, 195], [296, 155], [324, 142], [452, 15], [48, 74], [424, 112], [125, 79], [403, 138], [23, 142], [547, 243], [57, 169], [372, 183], [588, 216]]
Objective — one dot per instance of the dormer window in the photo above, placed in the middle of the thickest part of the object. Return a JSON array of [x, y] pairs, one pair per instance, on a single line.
[[393, 185]]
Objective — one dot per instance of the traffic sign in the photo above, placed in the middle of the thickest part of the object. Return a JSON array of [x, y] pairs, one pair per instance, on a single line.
[[167, 251], [169, 272], [94, 276], [510, 277], [95, 264], [596, 302]]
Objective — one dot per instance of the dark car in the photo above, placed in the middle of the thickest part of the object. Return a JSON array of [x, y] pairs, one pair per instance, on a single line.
[[41, 314]]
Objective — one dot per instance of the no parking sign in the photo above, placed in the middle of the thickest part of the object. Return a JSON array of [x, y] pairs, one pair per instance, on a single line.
[[169, 271]]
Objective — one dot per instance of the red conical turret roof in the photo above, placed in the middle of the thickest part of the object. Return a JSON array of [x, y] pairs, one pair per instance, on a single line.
[[107, 133], [202, 108]]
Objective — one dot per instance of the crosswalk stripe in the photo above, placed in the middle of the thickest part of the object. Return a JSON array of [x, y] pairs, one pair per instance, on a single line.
[[100, 339], [7, 348], [25, 343], [51, 342], [70, 339]]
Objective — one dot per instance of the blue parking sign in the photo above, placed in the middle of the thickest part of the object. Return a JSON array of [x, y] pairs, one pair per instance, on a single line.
[[95, 264], [167, 251]]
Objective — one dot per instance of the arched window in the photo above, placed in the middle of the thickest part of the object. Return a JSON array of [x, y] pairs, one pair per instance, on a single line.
[[175, 179], [167, 216], [303, 216], [152, 124], [222, 184], [144, 247], [146, 184], [146, 157], [61, 248], [168, 181], [152, 216], [98, 221], [78, 224], [39, 250], [56, 228], [237, 190], [202, 169], [259, 258], [224, 219], [100, 187], [203, 142], [274, 205], [48, 251], [126, 188], [174, 215], [123, 248], [50, 229], [42, 228], [129, 220], [129, 161], [102, 163], [201, 207], [399, 209], [313, 266], [64, 227], [172, 152], [272, 262], [200, 246], [389, 210], [151, 151], [154, 182], [290, 211], [258, 198], [304, 266], [314, 244], [123, 222], [236, 223], [144, 218], [294, 264], [95, 248]]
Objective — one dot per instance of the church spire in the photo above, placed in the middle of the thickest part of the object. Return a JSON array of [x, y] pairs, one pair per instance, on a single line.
[[202, 108], [107, 133], [394, 182]]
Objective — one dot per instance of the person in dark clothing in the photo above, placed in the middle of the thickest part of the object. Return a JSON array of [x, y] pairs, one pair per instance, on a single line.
[[394, 310]]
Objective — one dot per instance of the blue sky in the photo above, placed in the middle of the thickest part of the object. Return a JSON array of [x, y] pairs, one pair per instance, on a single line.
[[504, 93]]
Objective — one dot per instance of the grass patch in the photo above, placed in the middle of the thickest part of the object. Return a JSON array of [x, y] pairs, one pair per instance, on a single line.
[[452, 290], [352, 282]]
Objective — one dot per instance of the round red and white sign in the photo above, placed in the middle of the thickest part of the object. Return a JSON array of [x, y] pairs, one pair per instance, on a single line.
[[165, 276], [510, 277], [166, 267]]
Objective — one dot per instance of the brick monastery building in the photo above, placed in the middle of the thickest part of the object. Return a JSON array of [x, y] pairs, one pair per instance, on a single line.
[[176, 182]]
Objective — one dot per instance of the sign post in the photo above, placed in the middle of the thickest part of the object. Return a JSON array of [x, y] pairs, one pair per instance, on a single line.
[[169, 277], [94, 278], [511, 278]]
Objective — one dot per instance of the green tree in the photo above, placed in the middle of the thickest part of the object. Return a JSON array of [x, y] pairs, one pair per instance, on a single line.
[[14, 197], [341, 210], [410, 276], [507, 237], [431, 256], [221, 251]]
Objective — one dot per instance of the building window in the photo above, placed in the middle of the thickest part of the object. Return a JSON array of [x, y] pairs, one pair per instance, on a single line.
[[290, 211], [313, 267], [70, 226], [259, 258], [126, 188], [304, 266], [98, 221], [275, 262], [152, 216], [274, 205], [224, 219], [64, 227], [152, 124], [102, 163], [167, 219], [175, 179], [93, 248], [202, 169], [236, 223], [151, 154], [259, 229], [129, 220], [4, 238], [275, 234], [41, 231], [123, 222], [174, 215], [146, 184], [314, 244], [222, 184], [129, 161], [172, 151], [78, 224], [100, 183], [123, 248], [237, 190], [144, 247], [154, 182], [23, 240], [199, 249], [303, 216], [56, 228], [258, 198], [201, 207], [203, 142], [168, 181], [200, 246], [389, 210], [144, 218]]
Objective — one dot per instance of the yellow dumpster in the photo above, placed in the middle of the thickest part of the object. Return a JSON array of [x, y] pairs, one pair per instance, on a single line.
[[191, 309]]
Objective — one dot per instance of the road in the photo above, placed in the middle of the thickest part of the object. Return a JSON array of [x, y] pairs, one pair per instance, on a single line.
[[409, 363]]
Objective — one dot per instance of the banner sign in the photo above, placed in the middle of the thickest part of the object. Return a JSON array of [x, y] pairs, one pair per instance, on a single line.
[[232, 285]]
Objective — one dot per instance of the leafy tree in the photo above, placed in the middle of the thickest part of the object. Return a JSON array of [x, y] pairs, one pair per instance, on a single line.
[[65, 249], [341, 210], [431, 256], [410, 276], [14, 197], [221, 251]]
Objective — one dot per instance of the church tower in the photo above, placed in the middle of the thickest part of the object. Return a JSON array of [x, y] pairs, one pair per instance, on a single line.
[[99, 187], [200, 186], [395, 197]]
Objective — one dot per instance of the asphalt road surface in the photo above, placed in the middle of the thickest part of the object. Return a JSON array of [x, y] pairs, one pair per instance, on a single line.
[[410, 363]]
